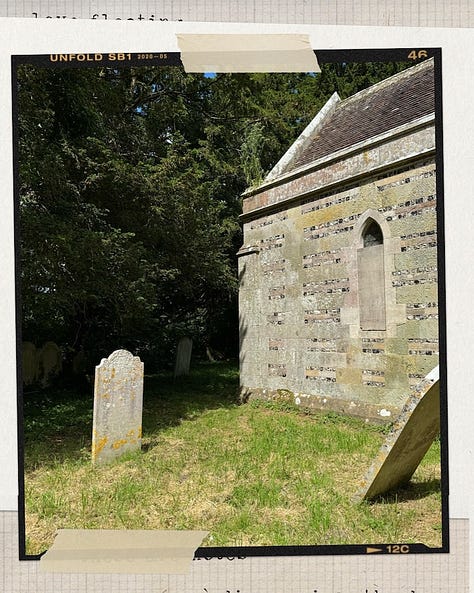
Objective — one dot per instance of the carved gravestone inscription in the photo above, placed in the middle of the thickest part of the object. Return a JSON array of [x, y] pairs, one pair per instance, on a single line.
[[118, 404], [183, 357]]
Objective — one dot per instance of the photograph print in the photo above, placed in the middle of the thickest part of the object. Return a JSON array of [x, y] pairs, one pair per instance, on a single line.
[[231, 302]]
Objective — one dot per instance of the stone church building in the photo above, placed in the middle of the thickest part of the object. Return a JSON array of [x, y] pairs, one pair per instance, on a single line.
[[338, 269]]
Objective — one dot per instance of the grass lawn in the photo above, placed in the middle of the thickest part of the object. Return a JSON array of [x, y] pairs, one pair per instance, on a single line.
[[252, 474]]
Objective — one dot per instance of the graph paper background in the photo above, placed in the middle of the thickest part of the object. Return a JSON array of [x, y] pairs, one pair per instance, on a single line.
[[408, 13], [422, 573]]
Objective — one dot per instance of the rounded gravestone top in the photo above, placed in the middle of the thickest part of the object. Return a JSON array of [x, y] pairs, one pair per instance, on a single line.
[[50, 346], [120, 357]]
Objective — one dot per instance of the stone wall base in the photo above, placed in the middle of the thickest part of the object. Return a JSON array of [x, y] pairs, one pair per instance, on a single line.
[[317, 403]]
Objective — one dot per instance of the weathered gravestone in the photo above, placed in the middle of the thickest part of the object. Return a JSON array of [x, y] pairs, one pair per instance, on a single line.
[[29, 363], [50, 362], [118, 404], [183, 357], [79, 363], [408, 442]]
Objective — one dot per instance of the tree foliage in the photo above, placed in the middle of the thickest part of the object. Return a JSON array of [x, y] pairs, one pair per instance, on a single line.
[[129, 186]]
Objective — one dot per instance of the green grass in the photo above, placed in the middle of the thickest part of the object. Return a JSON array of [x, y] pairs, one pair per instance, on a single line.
[[252, 474]]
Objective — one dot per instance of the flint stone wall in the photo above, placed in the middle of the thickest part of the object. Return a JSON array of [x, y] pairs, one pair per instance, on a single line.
[[299, 295]]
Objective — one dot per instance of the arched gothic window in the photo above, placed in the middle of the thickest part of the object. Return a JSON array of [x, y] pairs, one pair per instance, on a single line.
[[371, 277], [372, 234]]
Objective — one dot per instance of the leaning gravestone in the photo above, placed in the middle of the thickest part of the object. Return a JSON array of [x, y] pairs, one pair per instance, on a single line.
[[118, 404], [183, 357], [50, 362], [411, 437], [29, 363]]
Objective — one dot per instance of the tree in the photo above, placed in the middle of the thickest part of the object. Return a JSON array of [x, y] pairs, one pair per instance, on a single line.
[[130, 183]]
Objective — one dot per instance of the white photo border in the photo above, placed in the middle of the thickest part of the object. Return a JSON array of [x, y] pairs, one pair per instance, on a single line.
[[126, 60]]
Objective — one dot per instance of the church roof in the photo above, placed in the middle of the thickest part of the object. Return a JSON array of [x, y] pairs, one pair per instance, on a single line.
[[393, 102]]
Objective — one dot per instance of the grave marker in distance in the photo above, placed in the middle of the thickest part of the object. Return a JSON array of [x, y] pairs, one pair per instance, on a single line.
[[118, 405], [183, 357], [50, 362], [30, 363]]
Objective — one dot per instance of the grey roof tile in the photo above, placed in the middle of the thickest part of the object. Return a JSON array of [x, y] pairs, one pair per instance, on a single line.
[[388, 104]]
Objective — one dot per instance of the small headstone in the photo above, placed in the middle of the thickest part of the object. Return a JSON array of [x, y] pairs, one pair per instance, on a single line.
[[118, 404], [411, 437], [79, 363], [183, 357], [29, 363], [50, 362]]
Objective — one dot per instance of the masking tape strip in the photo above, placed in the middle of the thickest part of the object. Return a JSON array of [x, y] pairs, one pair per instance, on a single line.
[[122, 551], [247, 53]]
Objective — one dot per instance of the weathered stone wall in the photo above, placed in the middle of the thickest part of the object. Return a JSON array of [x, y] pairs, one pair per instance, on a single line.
[[300, 274]]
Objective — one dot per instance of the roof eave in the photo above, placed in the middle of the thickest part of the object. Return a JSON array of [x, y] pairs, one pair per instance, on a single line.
[[306, 136], [343, 153]]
